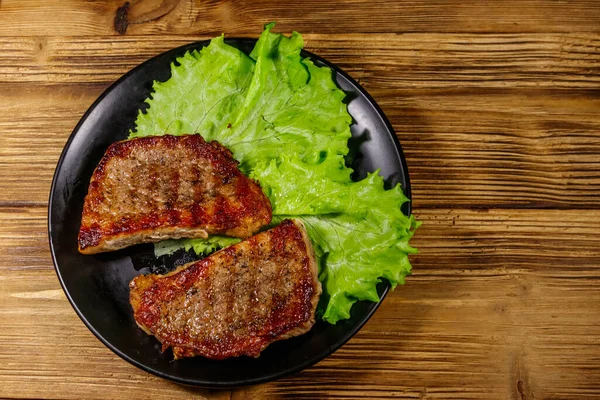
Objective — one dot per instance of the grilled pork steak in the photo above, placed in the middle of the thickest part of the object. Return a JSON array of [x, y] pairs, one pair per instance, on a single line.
[[236, 301], [163, 187]]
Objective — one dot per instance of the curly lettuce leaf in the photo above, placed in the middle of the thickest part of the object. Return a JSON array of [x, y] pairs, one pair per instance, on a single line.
[[285, 121], [358, 228], [204, 93], [359, 252], [292, 107], [200, 246], [330, 189]]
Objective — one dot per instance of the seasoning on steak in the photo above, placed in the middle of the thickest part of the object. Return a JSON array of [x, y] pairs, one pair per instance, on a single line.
[[235, 302], [168, 187]]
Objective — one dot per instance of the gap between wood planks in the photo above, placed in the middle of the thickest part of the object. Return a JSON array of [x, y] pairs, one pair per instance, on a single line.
[[21, 204]]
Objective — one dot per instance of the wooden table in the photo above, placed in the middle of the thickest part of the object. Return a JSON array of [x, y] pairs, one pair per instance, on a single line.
[[497, 107]]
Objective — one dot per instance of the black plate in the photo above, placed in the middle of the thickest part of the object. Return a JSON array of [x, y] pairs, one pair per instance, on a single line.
[[97, 286]]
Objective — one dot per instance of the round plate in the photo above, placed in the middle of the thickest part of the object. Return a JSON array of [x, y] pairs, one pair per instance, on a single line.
[[97, 286]]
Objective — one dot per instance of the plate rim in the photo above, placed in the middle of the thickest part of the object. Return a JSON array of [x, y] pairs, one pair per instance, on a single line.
[[197, 45]]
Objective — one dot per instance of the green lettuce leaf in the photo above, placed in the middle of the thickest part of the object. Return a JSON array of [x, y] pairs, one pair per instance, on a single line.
[[358, 228], [359, 253], [200, 246], [203, 94], [329, 189], [285, 121], [292, 107]]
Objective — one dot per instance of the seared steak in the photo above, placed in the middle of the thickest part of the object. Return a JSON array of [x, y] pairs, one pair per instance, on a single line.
[[236, 301], [163, 187]]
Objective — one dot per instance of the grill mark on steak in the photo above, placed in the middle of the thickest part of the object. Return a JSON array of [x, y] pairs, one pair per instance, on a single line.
[[236, 301], [230, 296], [155, 188]]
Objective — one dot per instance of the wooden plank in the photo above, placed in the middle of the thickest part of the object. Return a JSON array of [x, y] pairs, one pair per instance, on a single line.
[[239, 17], [382, 61], [534, 140], [509, 148], [501, 304], [33, 135], [499, 148]]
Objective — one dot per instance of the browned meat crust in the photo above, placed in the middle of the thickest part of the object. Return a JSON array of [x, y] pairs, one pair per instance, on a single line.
[[236, 301], [161, 187]]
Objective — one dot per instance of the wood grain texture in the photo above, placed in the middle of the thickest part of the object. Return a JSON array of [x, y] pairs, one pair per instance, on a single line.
[[410, 61], [241, 17], [484, 122], [488, 313], [496, 105]]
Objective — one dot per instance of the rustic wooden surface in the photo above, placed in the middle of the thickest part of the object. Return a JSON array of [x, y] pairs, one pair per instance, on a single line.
[[497, 107]]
